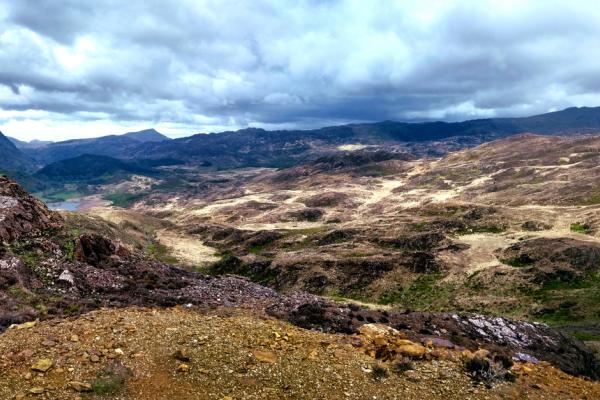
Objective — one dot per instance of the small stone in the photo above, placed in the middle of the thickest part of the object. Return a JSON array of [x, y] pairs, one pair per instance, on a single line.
[[37, 390], [27, 376], [374, 330], [265, 356], [119, 351], [94, 358], [74, 338], [67, 276], [42, 365], [80, 386], [183, 368]]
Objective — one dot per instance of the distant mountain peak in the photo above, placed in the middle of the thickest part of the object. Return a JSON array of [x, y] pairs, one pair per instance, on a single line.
[[147, 135]]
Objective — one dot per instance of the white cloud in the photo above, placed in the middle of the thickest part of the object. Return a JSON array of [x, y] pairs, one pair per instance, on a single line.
[[190, 66]]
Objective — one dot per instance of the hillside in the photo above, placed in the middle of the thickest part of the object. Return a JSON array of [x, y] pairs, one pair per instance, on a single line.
[[88, 167], [247, 338], [255, 147], [11, 158], [508, 228], [20, 144], [260, 148], [117, 146]]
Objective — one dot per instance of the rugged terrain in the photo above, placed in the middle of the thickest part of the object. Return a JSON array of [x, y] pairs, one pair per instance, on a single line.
[[507, 228], [502, 228], [65, 266], [472, 275]]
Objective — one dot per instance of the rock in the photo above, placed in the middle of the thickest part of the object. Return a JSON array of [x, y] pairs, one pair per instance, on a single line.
[[22, 214], [183, 368], [412, 350], [49, 343], [94, 358], [535, 226], [80, 386], [522, 357], [67, 277], [264, 356], [42, 365], [25, 325], [501, 335], [37, 390], [182, 355], [375, 330], [25, 354], [441, 343], [306, 214]]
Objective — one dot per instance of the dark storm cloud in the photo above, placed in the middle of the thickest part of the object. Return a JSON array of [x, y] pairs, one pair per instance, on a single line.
[[208, 65]]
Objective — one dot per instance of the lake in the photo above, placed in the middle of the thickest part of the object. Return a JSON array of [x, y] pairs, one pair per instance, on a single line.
[[67, 205]]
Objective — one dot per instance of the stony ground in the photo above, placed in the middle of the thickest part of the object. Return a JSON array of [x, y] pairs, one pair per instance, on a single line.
[[180, 353]]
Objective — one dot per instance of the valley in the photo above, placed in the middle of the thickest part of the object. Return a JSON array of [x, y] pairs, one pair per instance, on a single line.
[[412, 269]]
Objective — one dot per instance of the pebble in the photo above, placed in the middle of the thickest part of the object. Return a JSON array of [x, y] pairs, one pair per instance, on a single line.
[[37, 390], [42, 365], [183, 368], [80, 386]]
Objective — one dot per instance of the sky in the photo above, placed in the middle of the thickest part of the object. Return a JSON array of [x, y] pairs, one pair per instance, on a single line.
[[72, 68]]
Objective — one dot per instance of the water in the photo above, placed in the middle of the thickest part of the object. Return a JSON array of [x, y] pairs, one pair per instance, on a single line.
[[67, 205]]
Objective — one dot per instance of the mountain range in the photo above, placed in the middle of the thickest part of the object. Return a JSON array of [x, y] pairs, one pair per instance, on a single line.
[[254, 147]]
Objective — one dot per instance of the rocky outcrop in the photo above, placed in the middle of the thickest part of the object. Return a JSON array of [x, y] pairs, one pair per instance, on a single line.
[[516, 339], [22, 214], [561, 259]]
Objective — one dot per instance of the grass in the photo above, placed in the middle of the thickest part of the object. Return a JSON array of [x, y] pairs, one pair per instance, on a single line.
[[583, 228], [585, 336], [256, 249], [568, 301], [107, 384], [424, 293], [123, 199], [161, 253], [20, 294]]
